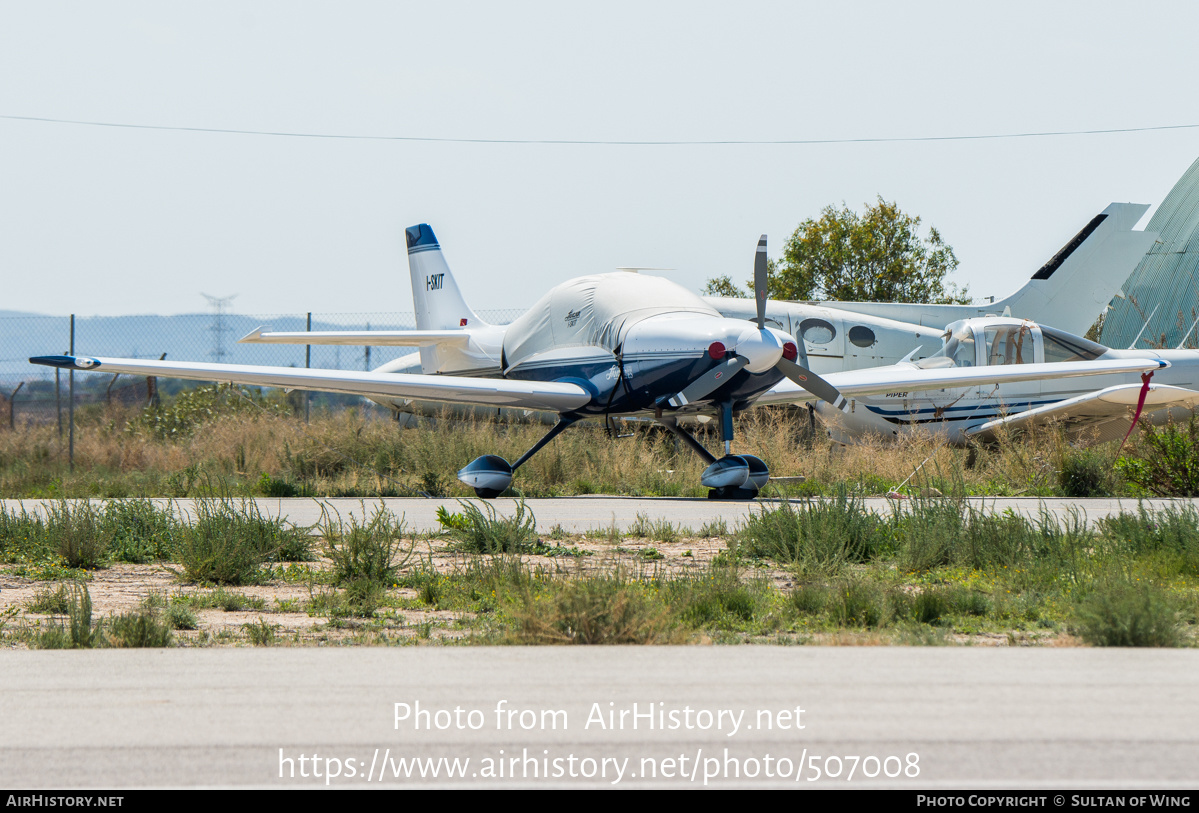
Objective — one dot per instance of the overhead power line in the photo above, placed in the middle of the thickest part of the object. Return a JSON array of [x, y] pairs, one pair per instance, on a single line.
[[604, 142]]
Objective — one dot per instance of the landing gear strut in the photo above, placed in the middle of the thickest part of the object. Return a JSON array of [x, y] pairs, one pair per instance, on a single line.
[[490, 475], [732, 477]]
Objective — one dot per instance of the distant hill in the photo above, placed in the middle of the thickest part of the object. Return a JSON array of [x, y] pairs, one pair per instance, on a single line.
[[191, 337]]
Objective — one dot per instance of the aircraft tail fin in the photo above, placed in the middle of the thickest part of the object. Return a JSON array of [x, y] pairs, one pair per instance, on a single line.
[[1068, 292], [1074, 286], [438, 300]]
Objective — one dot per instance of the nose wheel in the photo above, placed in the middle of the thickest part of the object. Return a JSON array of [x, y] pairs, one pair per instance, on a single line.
[[732, 477]]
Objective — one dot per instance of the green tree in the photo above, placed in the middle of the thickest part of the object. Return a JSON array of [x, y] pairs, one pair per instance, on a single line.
[[723, 286], [877, 256]]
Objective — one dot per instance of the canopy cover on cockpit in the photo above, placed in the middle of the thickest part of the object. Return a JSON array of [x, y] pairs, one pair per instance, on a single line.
[[595, 311]]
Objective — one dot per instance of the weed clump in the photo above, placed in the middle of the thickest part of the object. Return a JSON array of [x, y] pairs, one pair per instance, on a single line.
[[661, 530], [229, 542], [1086, 473], [601, 610], [56, 602], [79, 632], [366, 550], [1122, 614], [1166, 460], [821, 536], [194, 409], [76, 533], [480, 532], [261, 633], [1170, 535], [140, 531], [718, 597], [367, 557], [140, 628], [858, 603]]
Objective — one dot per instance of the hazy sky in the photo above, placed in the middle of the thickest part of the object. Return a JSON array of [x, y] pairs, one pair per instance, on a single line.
[[100, 220]]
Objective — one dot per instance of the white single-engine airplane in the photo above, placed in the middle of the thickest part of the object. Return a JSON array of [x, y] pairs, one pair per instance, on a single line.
[[1092, 409], [617, 344]]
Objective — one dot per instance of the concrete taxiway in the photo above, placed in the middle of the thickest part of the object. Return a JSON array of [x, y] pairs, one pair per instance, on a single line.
[[587, 514], [603, 717]]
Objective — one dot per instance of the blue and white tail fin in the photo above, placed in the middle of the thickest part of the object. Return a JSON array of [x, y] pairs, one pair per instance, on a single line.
[[440, 305], [435, 293]]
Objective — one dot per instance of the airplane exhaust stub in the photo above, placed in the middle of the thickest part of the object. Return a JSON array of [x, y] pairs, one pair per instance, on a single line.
[[489, 473], [730, 471]]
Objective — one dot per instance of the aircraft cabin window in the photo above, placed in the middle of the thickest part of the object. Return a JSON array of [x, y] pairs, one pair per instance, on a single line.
[[862, 336], [960, 347], [1061, 346], [1009, 344], [817, 331]]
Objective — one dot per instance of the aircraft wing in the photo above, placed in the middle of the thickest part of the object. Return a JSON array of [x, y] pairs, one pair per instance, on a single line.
[[544, 395], [1101, 415], [375, 338], [909, 377]]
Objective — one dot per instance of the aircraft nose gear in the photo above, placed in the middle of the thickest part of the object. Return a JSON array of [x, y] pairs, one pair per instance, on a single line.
[[732, 477], [735, 477]]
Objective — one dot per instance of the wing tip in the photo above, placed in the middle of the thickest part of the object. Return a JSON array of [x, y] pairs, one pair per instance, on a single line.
[[66, 362]]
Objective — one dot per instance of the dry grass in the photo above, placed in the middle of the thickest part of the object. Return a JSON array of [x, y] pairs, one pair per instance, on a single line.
[[347, 454]]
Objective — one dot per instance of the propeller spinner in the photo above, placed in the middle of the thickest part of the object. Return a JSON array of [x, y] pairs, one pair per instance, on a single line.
[[759, 351]]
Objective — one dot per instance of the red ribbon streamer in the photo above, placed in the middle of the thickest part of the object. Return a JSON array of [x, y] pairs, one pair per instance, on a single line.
[[1140, 404]]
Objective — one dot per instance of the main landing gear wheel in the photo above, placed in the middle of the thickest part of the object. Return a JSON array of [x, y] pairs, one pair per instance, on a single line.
[[490, 475]]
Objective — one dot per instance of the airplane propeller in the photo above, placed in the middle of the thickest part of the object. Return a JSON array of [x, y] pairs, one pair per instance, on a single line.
[[758, 351], [761, 271]]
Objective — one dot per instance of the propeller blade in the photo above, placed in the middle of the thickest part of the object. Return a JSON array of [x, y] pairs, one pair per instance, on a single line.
[[709, 381], [813, 384], [760, 281]]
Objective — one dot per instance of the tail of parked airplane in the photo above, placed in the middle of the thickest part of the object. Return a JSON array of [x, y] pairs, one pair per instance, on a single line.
[[451, 337], [1072, 290], [1069, 292], [438, 301], [435, 293]]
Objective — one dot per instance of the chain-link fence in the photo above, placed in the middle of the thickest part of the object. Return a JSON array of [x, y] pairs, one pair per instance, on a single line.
[[32, 393]]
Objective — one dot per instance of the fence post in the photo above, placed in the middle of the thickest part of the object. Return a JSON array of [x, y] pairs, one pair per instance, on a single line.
[[307, 364], [58, 401], [12, 408], [71, 396]]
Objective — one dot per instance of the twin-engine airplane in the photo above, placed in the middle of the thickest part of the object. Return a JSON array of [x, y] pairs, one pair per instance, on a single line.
[[1069, 291], [618, 344]]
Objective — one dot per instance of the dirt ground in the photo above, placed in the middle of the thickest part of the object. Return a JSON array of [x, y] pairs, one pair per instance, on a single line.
[[121, 588]]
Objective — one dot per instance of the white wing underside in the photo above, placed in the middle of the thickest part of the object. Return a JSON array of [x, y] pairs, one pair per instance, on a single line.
[[541, 395], [908, 377], [559, 396], [1098, 416]]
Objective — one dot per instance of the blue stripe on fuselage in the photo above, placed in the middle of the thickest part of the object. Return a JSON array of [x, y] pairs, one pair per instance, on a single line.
[[645, 381], [976, 412]]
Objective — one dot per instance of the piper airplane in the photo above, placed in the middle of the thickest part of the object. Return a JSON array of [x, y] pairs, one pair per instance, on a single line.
[[1094, 409], [618, 344]]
